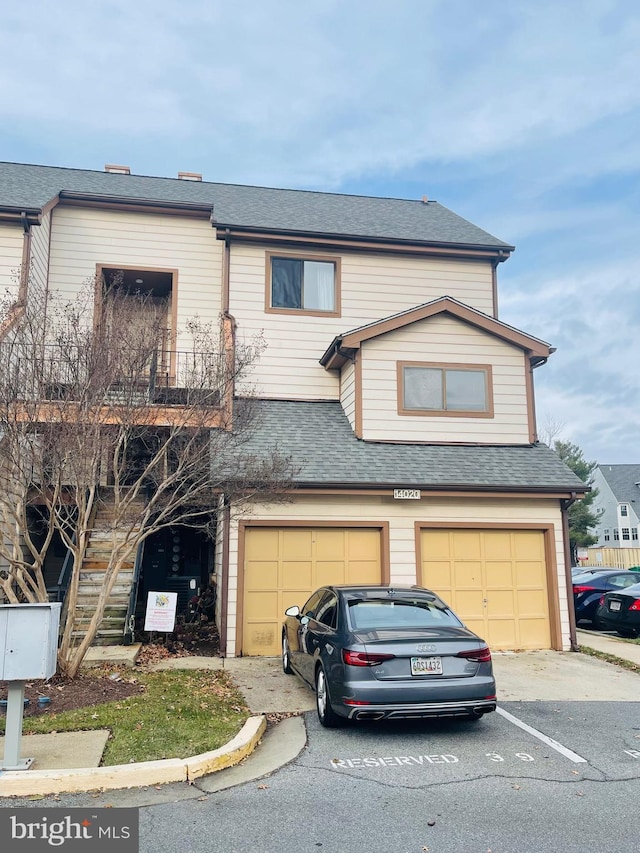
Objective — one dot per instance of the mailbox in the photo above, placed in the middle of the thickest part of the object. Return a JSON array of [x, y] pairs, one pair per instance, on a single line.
[[28, 640]]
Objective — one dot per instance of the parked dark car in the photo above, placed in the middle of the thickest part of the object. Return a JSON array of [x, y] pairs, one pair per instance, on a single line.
[[589, 586], [620, 611], [374, 652]]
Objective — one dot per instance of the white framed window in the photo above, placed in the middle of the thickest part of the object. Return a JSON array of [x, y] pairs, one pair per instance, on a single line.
[[616, 534], [623, 509], [625, 534]]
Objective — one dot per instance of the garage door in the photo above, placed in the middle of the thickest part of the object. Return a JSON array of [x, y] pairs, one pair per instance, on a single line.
[[495, 580], [283, 566]]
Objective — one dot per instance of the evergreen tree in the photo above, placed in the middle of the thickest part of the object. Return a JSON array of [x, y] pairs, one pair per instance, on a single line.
[[581, 516]]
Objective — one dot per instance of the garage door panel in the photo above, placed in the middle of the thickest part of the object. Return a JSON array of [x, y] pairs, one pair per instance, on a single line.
[[497, 544], [294, 575], [528, 545], [440, 574], [466, 544], [531, 602], [264, 546], [502, 634], [530, 574], [469, 602], [363, 572], [263, 637], [263, 574], [262, 605], [499, 575], [467, 574], [296, 544], [330, 572], [440, 545], [363, 545], [303, 560], [500, 603], [496, 580], [328, 543]]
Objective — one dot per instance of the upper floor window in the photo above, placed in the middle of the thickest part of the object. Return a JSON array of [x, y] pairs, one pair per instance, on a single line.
[[625, 533], [458, 390], [606, 535], [623, 509], [307, 284], [616, 534], [634, 533]]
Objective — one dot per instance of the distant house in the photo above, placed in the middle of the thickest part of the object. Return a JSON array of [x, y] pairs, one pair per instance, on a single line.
[[405, 402], [618, 503]]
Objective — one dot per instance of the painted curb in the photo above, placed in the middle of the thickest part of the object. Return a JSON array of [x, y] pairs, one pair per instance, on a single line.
[[33, 782]]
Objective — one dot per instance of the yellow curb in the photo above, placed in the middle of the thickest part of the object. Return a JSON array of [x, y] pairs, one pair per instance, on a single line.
[[231, 753], [15, 783]]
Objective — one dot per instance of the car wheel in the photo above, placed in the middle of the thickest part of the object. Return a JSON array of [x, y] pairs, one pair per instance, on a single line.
[[286, 656], [327, 716]]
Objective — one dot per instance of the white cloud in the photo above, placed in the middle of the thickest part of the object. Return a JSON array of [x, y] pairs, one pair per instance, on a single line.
[[314, 92]]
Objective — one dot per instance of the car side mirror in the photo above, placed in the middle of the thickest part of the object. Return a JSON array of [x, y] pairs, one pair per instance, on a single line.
[[294, 610]]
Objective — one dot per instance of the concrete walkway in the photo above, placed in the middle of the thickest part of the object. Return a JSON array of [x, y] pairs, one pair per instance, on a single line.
[[610, 645]]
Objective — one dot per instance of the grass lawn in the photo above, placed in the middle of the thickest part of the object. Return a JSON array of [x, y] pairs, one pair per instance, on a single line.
[[180, 713]]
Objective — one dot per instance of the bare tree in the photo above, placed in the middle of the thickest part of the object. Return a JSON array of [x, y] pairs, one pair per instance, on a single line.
[[115, 438]]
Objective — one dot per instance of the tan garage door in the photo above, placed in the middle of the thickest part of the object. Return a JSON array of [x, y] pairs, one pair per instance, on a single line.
[[495, 580], [283, 566]]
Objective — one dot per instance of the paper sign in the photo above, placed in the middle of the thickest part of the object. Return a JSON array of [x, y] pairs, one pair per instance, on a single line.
[[161, 611]]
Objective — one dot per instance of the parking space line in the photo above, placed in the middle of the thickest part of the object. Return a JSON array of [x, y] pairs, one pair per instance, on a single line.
[[563, 750]]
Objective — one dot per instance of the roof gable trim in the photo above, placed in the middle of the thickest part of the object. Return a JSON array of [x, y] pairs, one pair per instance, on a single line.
[[342, 347]]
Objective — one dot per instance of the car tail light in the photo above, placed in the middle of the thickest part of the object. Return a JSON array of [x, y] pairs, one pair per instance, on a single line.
[[578, 589], [635, 605], [601, 601], [363, 658], [479, 655]]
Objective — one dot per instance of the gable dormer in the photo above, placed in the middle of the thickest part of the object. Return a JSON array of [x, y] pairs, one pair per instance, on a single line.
[[441, 372]]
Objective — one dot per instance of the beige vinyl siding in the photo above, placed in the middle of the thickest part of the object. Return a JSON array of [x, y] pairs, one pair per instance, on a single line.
[[402, 536], [372, 287], [348, 392], [11, 245], [83, 237], [39, 271], [446, 340]]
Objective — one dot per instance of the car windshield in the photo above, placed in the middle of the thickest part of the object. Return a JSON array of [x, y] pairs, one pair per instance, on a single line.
[[373, 614]]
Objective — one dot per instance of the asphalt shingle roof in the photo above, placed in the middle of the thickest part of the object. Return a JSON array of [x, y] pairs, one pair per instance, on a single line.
[[319, 439], [622, 480], [28, 187]]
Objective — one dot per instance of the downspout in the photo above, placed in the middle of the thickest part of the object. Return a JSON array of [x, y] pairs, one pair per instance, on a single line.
[[534, 420], [226, 259], [224, 593], [567, 571]]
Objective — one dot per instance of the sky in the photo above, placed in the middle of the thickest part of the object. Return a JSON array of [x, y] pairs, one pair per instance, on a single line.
[[523, 117]]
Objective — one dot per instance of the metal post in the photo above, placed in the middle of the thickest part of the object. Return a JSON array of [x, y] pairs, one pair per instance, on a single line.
[[13, 729]]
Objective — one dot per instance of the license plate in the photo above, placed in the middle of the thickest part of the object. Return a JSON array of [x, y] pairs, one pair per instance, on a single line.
[[426, 666], [614, 605]]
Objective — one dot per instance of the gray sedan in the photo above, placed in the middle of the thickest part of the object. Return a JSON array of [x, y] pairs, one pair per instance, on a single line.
[[374, 652]]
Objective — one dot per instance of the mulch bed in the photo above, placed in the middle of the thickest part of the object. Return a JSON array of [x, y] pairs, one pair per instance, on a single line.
[[109, 684], [81, 692]]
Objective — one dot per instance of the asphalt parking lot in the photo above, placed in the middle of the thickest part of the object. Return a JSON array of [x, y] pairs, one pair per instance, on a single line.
[[546, 740]]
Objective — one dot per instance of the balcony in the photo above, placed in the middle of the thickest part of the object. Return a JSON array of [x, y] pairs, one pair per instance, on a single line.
[[64, 381]]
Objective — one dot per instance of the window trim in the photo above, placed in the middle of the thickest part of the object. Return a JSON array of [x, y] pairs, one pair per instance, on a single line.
[[297, 312], [445, 413]]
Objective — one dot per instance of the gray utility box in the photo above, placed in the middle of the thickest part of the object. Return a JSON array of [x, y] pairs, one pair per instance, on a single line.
[[28, 641]]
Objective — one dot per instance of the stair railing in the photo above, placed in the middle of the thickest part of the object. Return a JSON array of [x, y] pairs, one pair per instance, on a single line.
[[130, 619]]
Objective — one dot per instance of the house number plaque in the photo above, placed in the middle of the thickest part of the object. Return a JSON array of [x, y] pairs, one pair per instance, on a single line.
[[407, 494]]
